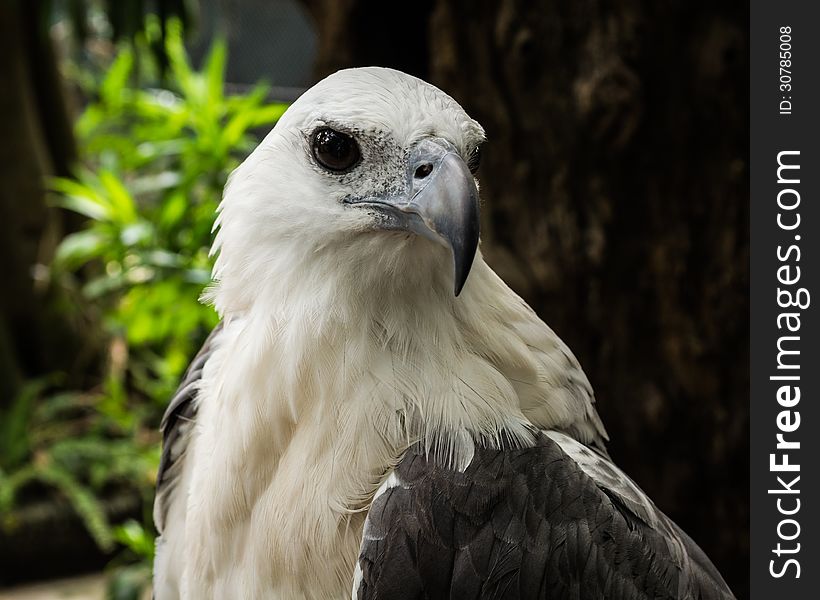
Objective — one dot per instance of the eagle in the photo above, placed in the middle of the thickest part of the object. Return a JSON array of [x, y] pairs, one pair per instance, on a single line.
[[378, 415]]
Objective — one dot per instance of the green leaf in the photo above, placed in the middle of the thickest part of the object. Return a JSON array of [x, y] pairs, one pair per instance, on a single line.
[[235, 129], [115, 84], [163, 259], [136, 233], [133, 536], [173, 210], [129, 582], [82, 500], [52, 408], [84, 206], [123, 207], [215, 73], [156, 182], [105, 284], [180, 67], [267, 115], [76, 249], [84, 503], [80, 198], [15, 425], [13, 483]]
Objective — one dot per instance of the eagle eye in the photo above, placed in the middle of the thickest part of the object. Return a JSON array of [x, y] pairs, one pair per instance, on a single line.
[[334, 150], [474, 160]]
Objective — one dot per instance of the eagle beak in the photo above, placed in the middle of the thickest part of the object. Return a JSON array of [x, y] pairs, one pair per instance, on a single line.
[[440, 203], [444, 198]]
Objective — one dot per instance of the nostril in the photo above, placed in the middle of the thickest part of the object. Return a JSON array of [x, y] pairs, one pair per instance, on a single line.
[[423, 170]]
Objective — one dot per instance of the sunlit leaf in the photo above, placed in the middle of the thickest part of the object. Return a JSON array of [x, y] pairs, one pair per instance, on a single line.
[[163, 258], [78, 248], [136, 233], [155, 182], [184, 76], [215, 72], [267, 115], [80, 198], [115, 83], [174, 209], [133, 536], [123, 208]]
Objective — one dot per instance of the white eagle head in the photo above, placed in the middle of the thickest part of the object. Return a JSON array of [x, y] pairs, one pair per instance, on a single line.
[[366, 179]]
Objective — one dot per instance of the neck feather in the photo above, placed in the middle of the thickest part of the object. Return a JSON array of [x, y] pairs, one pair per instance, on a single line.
[[386, 351]]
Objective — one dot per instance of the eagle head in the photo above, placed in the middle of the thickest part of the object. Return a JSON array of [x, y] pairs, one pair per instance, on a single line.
[[369, 174]]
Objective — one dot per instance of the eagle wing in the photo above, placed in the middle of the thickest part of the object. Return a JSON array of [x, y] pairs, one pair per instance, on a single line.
[[555, 520], [176, 429]]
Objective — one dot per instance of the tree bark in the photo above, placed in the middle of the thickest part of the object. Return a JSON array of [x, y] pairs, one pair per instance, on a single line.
[[36, 335], [615, 184]]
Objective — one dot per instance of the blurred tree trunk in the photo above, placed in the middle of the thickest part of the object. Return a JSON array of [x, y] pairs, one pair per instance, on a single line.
[[615, 184], [36, 337]]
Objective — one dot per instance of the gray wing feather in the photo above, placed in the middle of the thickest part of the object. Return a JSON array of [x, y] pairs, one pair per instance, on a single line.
[[525, 524]]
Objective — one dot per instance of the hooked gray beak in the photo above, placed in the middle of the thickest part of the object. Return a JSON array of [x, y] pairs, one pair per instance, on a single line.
[[440, 203]]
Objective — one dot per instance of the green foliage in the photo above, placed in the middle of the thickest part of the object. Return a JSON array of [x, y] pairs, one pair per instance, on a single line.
[[69, 443], [133, 574], [160, 158], [155, 157]]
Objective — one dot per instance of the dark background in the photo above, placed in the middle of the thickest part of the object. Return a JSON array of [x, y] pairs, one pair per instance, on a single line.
[[615, 190]]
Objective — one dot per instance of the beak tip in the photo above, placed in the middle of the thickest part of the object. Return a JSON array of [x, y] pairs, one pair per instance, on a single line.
[[462, 268]]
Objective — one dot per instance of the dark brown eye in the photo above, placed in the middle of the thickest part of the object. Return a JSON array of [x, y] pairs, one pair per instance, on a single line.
[[474, 160], [334, 150]]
